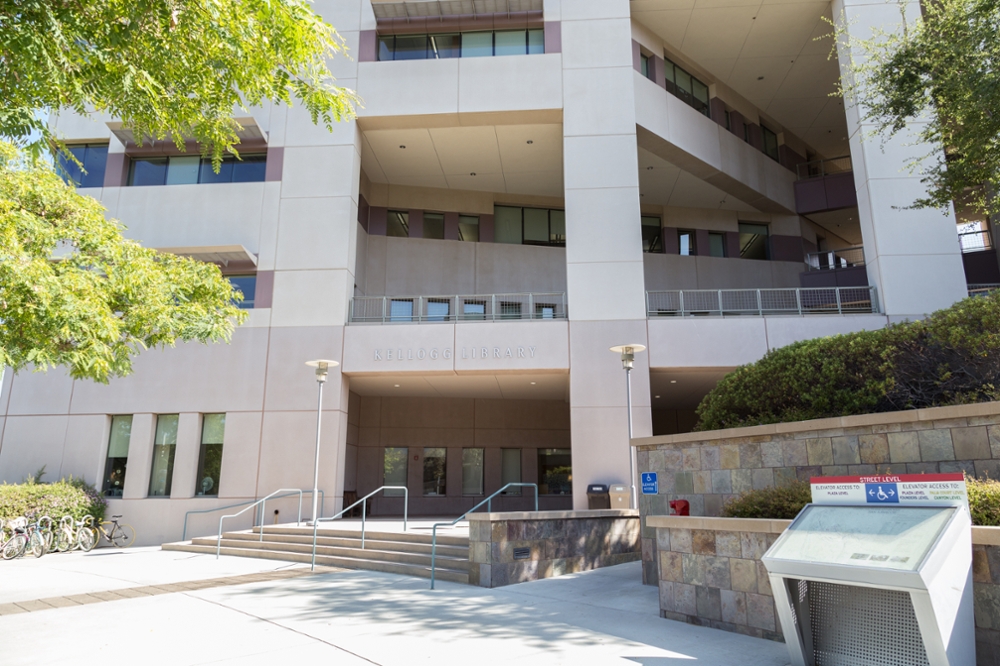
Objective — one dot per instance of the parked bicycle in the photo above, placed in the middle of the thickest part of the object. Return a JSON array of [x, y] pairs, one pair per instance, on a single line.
[[120, 535], [36, 538], [18, 541], [87, 535]]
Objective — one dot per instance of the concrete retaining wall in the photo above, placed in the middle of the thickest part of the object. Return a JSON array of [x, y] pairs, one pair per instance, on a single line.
[[556, 543]]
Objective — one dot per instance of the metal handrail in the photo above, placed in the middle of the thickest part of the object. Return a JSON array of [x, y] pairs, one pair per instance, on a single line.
[[322, 501], [982, 289], [827, 167], [845, 257], [262, 500], [364, 511], [985, 241], [519, 307], [489, 505], [762, 302]]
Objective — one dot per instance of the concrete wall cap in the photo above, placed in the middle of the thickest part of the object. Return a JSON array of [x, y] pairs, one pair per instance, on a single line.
[[985, 536], [764, 525], [853, 421], [555, 515]]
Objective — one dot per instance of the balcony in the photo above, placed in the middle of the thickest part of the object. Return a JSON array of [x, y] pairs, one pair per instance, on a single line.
[[450, 309], [825, 185], [982, 289], [761, 302], [847, 257]]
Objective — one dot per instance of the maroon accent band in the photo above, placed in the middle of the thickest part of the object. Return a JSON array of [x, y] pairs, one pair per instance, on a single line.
[[116, 170], [275, 164], [264, 289], [368, 46], [363, 209], [378, 220], [485, 228], [702, 247], [451, 226], [553, 37]]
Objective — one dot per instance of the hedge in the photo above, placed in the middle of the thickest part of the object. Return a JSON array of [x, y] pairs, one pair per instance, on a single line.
[[787, 501], [951, 357], [69, 496]]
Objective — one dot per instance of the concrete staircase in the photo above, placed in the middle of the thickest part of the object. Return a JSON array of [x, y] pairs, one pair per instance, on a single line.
[[407, 553]]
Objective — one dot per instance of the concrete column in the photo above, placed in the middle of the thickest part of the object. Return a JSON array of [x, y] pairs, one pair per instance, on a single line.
[[912, 256], [140, 456], [604, 261], [186, 456]]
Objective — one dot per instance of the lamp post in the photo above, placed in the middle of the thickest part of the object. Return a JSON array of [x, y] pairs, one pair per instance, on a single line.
[[322, 367], [628, 353]]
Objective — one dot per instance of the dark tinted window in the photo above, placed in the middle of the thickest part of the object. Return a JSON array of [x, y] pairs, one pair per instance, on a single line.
[[184, 169], [770, 143], [446, 46], [411, 47], [250, 169], [207, 173], [753, 241], [246, 284], [148, 171], [92, 157]]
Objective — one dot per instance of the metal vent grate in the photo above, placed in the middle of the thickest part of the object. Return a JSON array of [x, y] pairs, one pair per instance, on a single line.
[[863, 626]]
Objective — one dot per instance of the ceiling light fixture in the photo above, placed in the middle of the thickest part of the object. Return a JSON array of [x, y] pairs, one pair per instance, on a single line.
[[673, 381], [530, 142], [533, 383], [402, 147], [396, 385], [760, 78], [473, 173], [649, 168], [657, 397]]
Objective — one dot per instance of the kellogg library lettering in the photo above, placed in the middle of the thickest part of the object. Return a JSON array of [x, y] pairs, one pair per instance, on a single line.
[[564, 178]]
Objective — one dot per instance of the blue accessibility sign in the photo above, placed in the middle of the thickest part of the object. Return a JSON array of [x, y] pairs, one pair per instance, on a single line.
[[650, 484], [882, 493]]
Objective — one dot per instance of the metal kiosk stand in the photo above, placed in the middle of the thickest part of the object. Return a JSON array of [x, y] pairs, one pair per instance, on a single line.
[[875, 585]]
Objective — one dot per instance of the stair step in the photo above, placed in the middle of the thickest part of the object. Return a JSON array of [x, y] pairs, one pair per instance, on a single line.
[[418, 559], [443, 539], [441, 573], [352, 542]]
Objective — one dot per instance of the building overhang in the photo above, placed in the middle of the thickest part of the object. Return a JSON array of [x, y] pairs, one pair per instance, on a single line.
[[395, 9], [229, 257], [250, 133]]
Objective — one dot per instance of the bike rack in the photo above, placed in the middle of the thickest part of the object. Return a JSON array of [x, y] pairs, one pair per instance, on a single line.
[[489, 505], [364, 511]]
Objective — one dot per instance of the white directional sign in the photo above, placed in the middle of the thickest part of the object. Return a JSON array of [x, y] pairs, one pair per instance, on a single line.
[[900, 489]]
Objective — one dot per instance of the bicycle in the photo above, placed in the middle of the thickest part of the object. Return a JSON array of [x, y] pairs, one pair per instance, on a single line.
[[18, 541], [87, 535], [36, 538], [65, 538], [120, 535]]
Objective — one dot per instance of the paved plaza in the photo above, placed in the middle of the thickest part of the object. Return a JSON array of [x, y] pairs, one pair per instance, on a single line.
[[159, 607]]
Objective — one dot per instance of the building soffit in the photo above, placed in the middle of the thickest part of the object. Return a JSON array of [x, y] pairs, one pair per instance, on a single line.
[[774, 55], [394, 9]]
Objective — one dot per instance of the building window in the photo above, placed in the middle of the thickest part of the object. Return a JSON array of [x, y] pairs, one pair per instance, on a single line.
[[717, 245], [468, 228], [461, 45], [401, 310], [510, 310], [114, 466], [510, 470], [529, 226], [472, 471], [474, 310], [753, 241], [164, 445], [685, 242], [438, 310], [729, 120], [652, 240], [188, 170], [434, 226], [545, 311], [394, 470], [398, 224], [644, 65], [746, 132], [246, 285], [213, 430], [686, 87], [92, 156], [770, 143], [435, 471], [555, 472]]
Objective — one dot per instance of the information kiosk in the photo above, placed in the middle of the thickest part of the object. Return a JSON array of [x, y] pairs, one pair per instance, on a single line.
[[886, 581]]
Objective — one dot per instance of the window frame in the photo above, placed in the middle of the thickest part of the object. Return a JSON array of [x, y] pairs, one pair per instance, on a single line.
[[108, 466], [171, 459], [692, 242], [230, 165], [202, 457], [386, 45]]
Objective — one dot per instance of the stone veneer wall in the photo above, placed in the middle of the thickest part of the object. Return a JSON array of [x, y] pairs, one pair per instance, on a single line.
[[709, 468], [710, 574], [559, 542]]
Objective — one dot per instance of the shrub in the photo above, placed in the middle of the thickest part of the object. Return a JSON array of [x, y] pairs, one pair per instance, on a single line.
[[984, 501], [782, 502], [71, 496], [951, 357]]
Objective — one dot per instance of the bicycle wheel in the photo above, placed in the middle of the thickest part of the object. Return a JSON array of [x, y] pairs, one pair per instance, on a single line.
[[37, 544], [86, 539], [64, 541], [123, 536], [15, 547]]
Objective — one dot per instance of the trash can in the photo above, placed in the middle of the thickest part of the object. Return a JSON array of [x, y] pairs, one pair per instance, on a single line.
[[620, 496], [597, 496]]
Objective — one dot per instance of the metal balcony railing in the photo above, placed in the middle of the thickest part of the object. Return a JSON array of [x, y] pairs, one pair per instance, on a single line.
[[820, 168], [975, 241], [982, 289], [437, 309], [845, 257], [761, 302]]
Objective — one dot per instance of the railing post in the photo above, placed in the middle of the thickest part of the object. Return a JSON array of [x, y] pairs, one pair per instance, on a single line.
[[493, 306], [364, 513], [383, 309], [420, 309], [298, 520], [647, 303], [798, 300], [565, 313], [840, 310], [434, 543], [263, 507], [720, 303], [760, 307], [680, 297], [535, 485], [406, 506], [531, 306]]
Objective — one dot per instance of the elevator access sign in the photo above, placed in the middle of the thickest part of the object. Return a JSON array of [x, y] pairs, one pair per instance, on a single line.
[[899, 489]]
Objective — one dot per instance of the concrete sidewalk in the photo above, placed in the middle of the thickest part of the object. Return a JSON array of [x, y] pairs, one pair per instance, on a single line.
[[350, 618]]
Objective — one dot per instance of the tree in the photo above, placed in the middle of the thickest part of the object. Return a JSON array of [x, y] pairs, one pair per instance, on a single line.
[[166, 68], [943, 71], [74, 292]]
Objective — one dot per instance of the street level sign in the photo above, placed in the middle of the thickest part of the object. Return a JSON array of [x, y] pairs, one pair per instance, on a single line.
[[902, 489], [650, 483]]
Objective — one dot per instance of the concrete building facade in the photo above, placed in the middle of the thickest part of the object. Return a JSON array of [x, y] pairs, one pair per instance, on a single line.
[[528, 183]]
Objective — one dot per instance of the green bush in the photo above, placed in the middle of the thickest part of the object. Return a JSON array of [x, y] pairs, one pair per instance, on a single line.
[[783, 502], [951, 357], [984, 501], [787, 501], [70, 496]]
